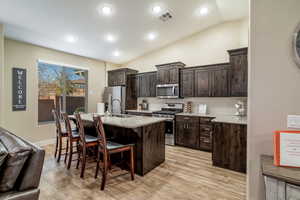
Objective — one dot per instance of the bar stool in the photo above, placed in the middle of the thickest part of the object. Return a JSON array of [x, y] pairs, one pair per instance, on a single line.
[[86, 142], [60, 136], [106, 148], [73, 136]]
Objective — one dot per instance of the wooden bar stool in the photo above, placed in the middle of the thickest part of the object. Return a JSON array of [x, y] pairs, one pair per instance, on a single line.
[[106, 148], [73, 137], [60, 136], [86, 142]]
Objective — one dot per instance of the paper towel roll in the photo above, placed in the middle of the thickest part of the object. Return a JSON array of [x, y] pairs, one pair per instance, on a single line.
[[100, 108]]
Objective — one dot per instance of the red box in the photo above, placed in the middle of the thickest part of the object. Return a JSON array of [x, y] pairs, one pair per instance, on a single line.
[[287, 148]]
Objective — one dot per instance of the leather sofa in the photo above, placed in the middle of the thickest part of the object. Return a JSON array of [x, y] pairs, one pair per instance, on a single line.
[[21, 164]]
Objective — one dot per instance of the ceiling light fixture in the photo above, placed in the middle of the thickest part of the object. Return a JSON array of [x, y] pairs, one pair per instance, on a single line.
[[116, 53], [106, 10], [203, 11], [70, 38], [156, 9], [152, 36], [110, 38]]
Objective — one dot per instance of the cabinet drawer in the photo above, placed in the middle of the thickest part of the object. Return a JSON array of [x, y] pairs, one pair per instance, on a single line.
[[205, 120], [206, 128], [187, 119]]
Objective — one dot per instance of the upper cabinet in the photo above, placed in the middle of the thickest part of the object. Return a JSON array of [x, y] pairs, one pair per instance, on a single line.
[[169, 73], [187, 82], [118, 77], [146, 84], [205, 81], [239, 72]]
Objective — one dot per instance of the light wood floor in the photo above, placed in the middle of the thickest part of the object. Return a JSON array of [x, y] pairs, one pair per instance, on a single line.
[[186, 175]]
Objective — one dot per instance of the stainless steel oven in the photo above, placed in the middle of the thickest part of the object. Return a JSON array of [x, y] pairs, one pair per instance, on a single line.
[[169, 111], [167, 91]]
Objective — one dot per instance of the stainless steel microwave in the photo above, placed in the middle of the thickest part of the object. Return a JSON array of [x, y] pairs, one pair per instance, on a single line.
[[167, 91]]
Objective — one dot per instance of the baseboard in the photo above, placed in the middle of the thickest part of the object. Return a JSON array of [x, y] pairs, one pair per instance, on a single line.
[[46, 142]]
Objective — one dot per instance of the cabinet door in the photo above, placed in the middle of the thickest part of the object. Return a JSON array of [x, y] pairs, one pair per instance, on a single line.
[[187, 131], [180, 132], [152, 84], [202, 83], [121, 78], [173, 76], [219, 83], [187, 83], [163, 76], [206, 137], [131, 92], [138, 87], [239, 75], [144, 85]]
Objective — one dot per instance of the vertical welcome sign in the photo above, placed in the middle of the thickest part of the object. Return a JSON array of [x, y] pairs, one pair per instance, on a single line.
[[19, 89]]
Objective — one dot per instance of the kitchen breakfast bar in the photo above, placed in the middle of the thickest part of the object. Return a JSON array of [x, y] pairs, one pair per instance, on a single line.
[[146, 133]]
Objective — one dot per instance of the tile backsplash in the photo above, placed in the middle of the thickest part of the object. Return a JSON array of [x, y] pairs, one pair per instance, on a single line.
[[222, 106]]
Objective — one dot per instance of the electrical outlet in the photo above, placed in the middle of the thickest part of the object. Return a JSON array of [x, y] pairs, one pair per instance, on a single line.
[[293, 121]]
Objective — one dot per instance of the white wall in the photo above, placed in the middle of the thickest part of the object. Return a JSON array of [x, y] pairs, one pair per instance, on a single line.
[[206, 47], [19, 54], [274, 80]]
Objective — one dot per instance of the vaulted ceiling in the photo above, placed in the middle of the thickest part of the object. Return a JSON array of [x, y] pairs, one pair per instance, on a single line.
[[82, 28]]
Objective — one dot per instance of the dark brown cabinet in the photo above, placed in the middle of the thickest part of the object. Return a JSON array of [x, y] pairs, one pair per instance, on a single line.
[[187, 132], [219, 82], [212, 81], [169, 73], [187, 83], [146, 84], [118, 77], [230, 146], [194, 132], [131, 93], [239, 72], [202, 83]]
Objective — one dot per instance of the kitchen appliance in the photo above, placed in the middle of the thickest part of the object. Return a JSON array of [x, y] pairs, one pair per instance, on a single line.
[[167, 91], [115, 98], [240, 108], [168, 111], [144, 105]]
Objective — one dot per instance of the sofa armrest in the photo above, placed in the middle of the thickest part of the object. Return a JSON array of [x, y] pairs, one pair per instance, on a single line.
[[24, 195]]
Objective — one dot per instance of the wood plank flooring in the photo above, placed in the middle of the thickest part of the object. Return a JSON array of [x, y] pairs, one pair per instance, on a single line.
[[186, 175]]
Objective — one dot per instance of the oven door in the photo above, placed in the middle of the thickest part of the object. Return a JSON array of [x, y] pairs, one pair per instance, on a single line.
[[169, 132], [169, 91]]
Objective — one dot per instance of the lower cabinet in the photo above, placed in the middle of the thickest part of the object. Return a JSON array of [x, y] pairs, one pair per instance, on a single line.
[[279, 189], [187, 132], [230, 146], [194, 132]]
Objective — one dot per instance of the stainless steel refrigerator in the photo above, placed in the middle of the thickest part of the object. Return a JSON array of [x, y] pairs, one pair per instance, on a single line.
[[115, 98]]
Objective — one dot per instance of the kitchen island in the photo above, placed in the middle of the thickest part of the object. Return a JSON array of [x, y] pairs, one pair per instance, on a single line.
[[147, 133]]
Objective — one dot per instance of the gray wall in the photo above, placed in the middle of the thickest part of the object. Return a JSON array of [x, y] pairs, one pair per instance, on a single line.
[[274, 82]]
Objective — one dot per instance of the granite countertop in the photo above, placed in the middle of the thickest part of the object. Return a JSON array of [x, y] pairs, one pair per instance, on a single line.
[[231, 119], [290, 175], [127, 122], [141, 111]]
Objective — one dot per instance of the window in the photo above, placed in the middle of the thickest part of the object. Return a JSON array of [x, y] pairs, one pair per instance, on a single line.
[[61, 88]]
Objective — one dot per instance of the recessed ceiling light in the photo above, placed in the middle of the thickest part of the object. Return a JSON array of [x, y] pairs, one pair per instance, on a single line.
[[203, 11], [110, 38], [151, 36], [71, 38], [116, 53], [156, 9], [106, 10]]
